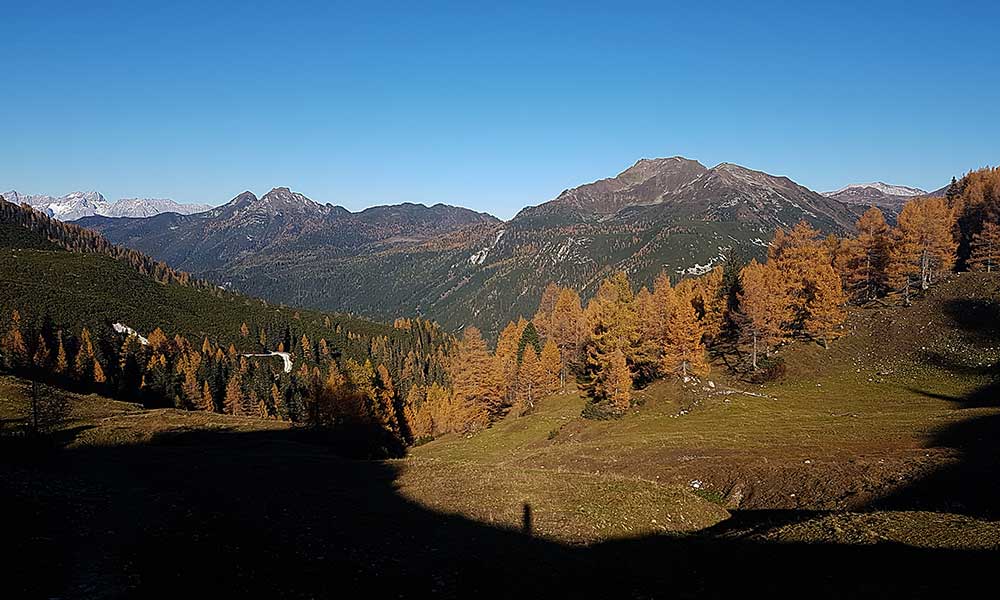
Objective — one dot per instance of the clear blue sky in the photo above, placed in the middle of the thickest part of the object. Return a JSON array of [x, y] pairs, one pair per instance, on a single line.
[[492, 107]]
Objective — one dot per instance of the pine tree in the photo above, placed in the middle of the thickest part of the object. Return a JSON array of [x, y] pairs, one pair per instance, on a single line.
[[307, 350], [99, 377], [683, 350], [529, 336], [985, 247]]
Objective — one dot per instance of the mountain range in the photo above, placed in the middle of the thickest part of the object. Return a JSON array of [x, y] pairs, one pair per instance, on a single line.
[[77, 205], [883, 195], [463, 267]]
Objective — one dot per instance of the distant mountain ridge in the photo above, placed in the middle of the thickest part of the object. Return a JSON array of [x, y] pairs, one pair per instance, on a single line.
[[77, 205], [883, 195], [461, 267]]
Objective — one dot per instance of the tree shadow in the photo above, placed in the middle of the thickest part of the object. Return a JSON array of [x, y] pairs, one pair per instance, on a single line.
[[970, 483], [282, 514]]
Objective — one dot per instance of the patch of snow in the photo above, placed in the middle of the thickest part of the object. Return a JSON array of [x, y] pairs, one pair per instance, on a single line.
[[128, 331], [479, 257], [885, 188], [285, 356]]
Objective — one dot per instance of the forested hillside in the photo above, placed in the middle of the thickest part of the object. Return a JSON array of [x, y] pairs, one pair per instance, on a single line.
[[111, 320]]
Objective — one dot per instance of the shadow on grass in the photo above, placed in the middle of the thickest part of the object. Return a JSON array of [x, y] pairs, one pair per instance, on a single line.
[[971, 483], [281, 514]]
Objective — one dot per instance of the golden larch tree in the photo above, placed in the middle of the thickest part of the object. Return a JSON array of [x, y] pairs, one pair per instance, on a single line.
[[926, 238], [568, 330], [985, 247], [551, 364], [683, 351], [825, 304], [764, 305], [864, 260]]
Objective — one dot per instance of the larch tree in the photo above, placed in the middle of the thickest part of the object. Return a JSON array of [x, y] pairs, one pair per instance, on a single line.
[[244, 329], [683, 351], [551, 364], [616, 385], [865, 258], [925, 238], [613, 327], [61, 366], [207, 402], [476, 381], [15, 350], [507, 354], [83, 365], [825, 303], [234, 395], [764, 305], [546, 308], [985, 249], [568, 330], [530, 381]]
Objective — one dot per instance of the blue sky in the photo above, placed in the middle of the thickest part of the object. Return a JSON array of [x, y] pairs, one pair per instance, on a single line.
[[492, 107]]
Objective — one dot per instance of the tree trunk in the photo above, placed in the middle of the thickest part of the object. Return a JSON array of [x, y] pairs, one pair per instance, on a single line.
[[754, 360]]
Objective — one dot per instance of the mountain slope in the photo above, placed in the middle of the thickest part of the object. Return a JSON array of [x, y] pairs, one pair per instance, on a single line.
[[460, 267], [94, 286]]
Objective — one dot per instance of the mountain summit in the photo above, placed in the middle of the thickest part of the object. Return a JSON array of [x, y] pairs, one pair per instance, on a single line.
[[883, 195], [461, 267], [77, 205]]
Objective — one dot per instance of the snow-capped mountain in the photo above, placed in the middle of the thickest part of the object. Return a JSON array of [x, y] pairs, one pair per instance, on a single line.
[[77, 205], [148, 207], [877, 193]]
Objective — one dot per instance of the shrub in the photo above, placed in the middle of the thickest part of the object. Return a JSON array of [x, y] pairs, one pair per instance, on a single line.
[[768, 369]]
